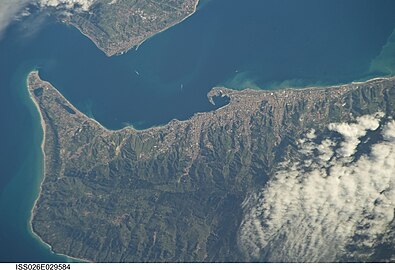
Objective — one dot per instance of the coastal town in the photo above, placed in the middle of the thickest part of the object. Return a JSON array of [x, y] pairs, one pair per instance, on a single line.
[[117, 26], [102, 189]]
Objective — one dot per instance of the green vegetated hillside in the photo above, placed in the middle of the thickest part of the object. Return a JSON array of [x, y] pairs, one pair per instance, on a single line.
[[118, 25], [175, 193]]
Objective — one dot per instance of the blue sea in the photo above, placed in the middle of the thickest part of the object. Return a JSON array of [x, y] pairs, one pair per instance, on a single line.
[[261, 44]]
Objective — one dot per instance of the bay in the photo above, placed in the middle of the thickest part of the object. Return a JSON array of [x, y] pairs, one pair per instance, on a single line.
[[238, 44]]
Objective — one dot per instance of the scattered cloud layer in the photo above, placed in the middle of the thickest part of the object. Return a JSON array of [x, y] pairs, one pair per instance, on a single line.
[[315, 208], [10, 9], [83, 4]]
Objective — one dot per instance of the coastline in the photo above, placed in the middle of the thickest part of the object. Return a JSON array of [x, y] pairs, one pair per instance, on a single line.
[[36, 188], [43, 174], [146, 39], [132, 45], [210, 94], [215, 91], [35, 82]]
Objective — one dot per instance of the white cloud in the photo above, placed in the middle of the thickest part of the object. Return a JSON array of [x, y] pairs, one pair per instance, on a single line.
[[10, 9], [352, 132], [312, 208], [83, 4]]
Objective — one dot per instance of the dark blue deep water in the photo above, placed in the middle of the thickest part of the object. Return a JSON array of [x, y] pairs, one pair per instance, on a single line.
[[236, 43]]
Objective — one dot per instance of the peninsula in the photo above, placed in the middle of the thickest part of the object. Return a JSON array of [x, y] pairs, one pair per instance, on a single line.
[[175, 193], [116, 26]]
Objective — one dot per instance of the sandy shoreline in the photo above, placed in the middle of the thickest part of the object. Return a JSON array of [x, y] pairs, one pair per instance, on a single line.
[[156, 128], [43, 127], [130, 128]]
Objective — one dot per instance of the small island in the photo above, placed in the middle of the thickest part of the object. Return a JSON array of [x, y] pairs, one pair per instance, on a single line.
[[175, 193]]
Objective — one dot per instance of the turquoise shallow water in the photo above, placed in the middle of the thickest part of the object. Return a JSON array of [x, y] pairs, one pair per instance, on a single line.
[[252, 43], [17, 242]]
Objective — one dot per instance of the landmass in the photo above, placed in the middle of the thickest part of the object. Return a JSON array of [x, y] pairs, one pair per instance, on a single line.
[[116, 26], [175, 193]]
